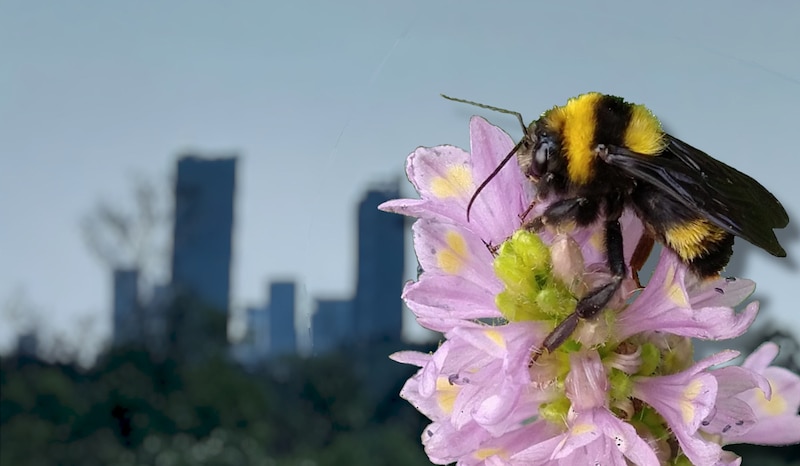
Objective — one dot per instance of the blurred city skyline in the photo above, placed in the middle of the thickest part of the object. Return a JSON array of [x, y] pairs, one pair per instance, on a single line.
[[320, 105], [196, 263], [193, 304]]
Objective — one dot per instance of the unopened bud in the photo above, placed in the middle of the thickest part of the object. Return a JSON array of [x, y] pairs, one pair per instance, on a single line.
[[567, 260]]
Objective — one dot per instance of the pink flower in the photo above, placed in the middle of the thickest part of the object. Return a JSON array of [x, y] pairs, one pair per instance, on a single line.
[[774, 408], [685, 399], [624, 389], [594, 434], [446, 177], [677, 303]]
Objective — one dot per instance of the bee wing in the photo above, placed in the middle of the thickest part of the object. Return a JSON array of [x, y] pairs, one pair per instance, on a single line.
[[725, 196]]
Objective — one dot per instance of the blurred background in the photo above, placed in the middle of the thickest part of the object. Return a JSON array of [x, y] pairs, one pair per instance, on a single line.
[[192, 266]]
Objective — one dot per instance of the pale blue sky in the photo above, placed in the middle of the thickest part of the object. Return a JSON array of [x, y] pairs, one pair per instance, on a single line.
[[322, 98]]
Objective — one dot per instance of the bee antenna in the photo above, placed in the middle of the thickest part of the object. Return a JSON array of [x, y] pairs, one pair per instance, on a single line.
[[495, 109], [492, 175], [510, 154]]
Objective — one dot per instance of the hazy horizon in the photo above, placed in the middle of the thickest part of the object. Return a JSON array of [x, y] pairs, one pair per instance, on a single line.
[[320, 100]]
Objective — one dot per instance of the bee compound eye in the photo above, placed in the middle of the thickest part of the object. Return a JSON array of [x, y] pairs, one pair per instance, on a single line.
[[541, 157]]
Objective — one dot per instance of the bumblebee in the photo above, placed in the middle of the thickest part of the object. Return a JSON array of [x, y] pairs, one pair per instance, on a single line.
[[598, 155]]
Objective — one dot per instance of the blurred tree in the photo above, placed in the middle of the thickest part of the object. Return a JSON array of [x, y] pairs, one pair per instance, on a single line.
[[19, 314], [133, 409], [134, 236]]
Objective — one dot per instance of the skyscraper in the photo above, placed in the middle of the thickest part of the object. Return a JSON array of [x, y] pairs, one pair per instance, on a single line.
[[126, 308], [201, 254], [258, 331], [282, 336], [332, 325], [378, 307]]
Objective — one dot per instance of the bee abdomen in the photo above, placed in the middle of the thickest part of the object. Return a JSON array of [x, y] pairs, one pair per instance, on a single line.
[[703, 246]]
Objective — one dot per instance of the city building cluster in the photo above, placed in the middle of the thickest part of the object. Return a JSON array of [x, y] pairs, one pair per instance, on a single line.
[[191, 312]]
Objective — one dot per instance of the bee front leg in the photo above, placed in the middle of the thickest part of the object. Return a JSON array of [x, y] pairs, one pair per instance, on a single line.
[[596, 300], [581, 210]]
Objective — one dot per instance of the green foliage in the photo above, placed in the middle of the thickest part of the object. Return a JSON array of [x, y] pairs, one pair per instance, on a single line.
[[132, 409]]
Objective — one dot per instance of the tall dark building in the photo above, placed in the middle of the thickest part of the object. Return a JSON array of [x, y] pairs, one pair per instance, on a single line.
[[378, 307], [331, 325], [258, 331], [201, 254], [197, 318], [126, 308], [282, 336]]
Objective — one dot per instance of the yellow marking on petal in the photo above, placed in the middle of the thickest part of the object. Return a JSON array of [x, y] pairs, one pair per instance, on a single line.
[[496, 337], [579, 429], [451, 260], [457, 182], [691, 392], [774, 406], [484, 453], [673, 290], [446, 394]]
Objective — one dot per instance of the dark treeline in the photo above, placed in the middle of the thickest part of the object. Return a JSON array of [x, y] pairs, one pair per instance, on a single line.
[[134, 409]]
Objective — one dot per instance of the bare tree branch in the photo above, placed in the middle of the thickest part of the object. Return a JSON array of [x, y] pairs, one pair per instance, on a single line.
[[133, 236]]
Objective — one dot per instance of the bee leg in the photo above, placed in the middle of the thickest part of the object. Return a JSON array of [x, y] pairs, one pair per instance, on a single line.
[[527, 210], [596, 300], [579, 209], [640, 255]]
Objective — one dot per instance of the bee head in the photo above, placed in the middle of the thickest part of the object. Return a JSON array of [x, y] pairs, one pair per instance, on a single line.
[[537, 151]]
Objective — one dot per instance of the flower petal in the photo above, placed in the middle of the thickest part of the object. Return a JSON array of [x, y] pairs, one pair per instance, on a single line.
[[446, 249], [777, 420], [666, 306], [496, 210]]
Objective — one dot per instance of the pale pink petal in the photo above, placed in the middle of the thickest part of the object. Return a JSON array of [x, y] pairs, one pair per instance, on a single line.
[[445, 444], [446, 249], [684, 400], [624, 437], [778, 422], [726, 292], [442, 174], [732, 416], [729, 459], [587, 383], [414, 358], [665, 306], [453, 296], [495, 213]]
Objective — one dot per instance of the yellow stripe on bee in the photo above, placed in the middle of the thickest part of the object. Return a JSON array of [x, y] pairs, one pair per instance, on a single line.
[[456, 182], [451, 259], [576, 122], [446, 394], [644, 134], [690, 239]]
